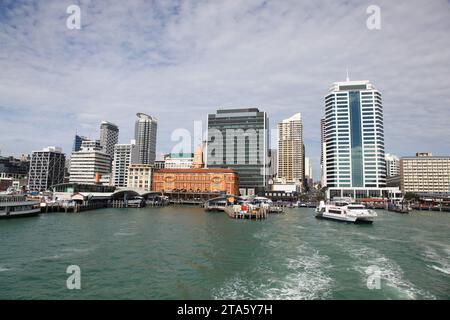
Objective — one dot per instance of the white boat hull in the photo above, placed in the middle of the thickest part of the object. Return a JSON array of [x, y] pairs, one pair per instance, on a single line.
[[345, 214]]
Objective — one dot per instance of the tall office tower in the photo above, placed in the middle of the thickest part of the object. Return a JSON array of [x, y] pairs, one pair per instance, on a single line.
[[109, 137], [323, 155], [46, 168], [145, 135], [239, 139], [291, 154], [124, 156], [392, 165], [354, 136], [88, 162], [77, 142]]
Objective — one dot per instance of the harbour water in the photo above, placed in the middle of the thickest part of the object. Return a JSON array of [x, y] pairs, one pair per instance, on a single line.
[[186, 253]]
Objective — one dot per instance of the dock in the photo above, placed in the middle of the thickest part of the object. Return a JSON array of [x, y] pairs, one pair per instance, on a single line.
[[256, 213]]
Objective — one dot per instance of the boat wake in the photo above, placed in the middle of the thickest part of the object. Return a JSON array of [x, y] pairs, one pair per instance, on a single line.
[[124, 234], [439, 263], [391, 273], [302, 277]]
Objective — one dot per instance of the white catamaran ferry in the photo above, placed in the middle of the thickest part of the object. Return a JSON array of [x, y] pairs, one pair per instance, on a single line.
[[346, 212]]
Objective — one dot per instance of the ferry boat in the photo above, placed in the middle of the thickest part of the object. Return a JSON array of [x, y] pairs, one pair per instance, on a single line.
[[346, 212], [12, 206]]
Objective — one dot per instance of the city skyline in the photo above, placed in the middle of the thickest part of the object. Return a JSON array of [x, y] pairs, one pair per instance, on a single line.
[[161, 59]]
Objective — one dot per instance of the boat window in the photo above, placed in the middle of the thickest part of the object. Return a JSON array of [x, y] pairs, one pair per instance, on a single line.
[[356, 207]]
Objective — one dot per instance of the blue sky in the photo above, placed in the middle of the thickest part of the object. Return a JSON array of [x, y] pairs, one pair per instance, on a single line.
[[179, 60]]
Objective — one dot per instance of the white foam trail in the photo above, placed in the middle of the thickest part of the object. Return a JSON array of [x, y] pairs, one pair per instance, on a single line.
[[124, 234], [76, 250], [440, 263], [446, 271], [391, 273], [305, 277]]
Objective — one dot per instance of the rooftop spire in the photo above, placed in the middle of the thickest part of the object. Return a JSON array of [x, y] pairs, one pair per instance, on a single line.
[[348, 78]]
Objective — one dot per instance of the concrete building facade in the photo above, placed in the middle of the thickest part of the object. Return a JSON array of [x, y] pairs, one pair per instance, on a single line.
[[109, 137], [291, 156], [392, 165], [425, 173], [124, 155], [145, 136], [140, 176], [88, 163]]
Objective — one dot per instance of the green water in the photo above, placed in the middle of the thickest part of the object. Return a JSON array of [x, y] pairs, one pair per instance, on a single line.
[[186, 253]]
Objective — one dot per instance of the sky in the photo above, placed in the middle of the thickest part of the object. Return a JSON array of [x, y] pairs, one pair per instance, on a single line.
[[180, 60]]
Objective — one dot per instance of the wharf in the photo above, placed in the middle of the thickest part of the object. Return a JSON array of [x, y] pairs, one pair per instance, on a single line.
[[256, 213]]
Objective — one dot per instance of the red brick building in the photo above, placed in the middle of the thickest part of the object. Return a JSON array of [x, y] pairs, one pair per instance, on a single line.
[[196, 180]]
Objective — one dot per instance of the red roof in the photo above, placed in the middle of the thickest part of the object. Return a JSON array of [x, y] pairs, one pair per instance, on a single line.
[[196, 170]]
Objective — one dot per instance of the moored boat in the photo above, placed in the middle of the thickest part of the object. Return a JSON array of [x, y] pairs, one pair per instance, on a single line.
[[12, 206]]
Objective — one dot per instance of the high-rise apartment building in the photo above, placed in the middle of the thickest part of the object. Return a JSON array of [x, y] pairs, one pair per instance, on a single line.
[[239, 139], [109, 137], [89, 162], [425, 173], [124, 156], [291, 162], [145, 136], [46, 168], [392, 165]]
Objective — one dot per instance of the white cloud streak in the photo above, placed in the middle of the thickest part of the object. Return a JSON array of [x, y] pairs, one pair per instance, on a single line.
[[179, 60]]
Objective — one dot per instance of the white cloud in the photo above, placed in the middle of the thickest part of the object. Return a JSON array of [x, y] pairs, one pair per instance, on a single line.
[[179, 60]]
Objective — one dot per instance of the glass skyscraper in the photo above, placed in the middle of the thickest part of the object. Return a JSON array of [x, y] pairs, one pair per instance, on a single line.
[[78, 140], [238, 139], [354, 136]]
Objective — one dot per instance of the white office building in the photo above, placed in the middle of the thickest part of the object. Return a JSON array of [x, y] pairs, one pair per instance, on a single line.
[[354, 139], [323, 156], [178, 160], [124, 156], [89, 162], [46, 168], [392, 165]]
